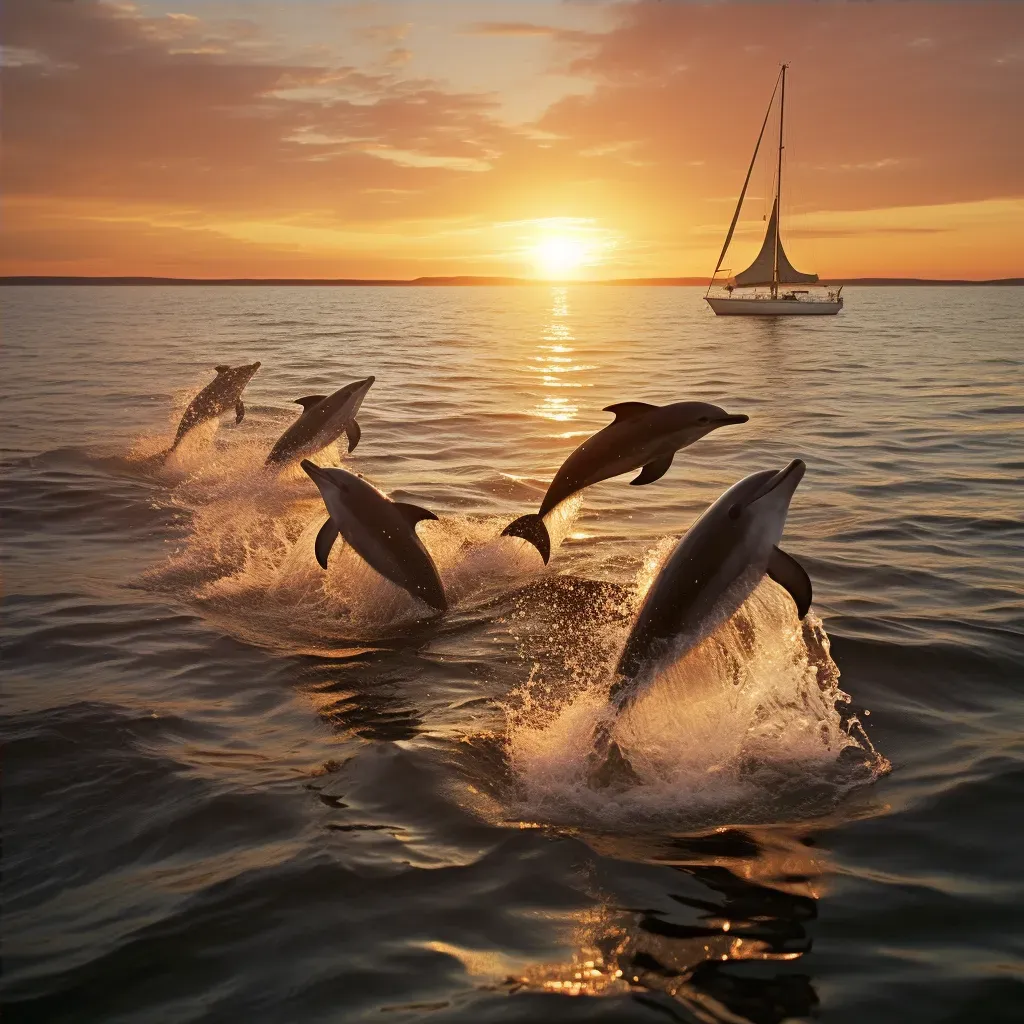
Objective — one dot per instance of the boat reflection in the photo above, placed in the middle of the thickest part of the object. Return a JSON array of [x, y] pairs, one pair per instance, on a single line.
[[735, 896]]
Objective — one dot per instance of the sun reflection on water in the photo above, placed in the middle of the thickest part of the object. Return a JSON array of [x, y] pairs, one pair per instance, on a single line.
[[754, 905], [555, 362]]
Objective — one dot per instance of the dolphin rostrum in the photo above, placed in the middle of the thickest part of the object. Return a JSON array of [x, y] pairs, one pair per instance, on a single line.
[[224, 392], [641, 435], [715, 567], [381, 531], [322, 421]]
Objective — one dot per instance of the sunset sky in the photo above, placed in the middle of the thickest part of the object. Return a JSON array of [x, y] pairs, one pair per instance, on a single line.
[[398, 138]]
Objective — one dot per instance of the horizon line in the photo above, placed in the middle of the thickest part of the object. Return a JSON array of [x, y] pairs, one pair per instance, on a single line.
[[449, 281]]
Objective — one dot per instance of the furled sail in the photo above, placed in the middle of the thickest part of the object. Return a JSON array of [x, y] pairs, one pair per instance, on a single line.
[[762, 270]]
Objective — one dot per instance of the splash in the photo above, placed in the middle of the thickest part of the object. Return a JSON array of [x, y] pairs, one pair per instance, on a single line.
[[247, 559], [745, 726]]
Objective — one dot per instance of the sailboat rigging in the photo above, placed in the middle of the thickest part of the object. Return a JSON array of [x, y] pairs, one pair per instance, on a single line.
[[771, 268]]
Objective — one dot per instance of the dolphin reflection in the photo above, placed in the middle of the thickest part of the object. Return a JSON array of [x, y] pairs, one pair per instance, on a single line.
[[731, 895]]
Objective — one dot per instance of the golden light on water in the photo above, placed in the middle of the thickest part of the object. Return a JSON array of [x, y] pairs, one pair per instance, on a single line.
[[555, 359]]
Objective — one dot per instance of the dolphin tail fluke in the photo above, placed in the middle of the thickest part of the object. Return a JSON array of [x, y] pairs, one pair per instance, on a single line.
[[531, 528], [353, 433], [325, 541]]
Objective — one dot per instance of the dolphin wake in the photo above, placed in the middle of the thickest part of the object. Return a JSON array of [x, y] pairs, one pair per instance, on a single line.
[[246, 555]]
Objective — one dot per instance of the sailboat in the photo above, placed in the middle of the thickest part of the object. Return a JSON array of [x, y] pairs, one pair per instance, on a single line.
[[745, 294]]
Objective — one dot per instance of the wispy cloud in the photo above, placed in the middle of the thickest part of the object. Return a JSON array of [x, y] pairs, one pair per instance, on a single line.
[[510, 28]]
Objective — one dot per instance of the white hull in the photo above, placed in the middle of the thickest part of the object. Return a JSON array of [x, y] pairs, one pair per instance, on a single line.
[[774, 307]]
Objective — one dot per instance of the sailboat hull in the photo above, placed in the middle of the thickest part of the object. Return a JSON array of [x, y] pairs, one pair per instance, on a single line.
[[774, 307]]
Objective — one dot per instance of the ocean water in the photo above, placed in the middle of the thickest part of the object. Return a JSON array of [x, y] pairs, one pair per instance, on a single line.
[[238, 788]]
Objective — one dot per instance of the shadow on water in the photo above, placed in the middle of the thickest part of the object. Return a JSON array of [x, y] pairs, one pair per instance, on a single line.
[[367, 696]]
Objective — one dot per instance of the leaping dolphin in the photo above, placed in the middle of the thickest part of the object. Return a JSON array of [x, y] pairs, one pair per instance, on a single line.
[[323, 419], [641, 435], [224, 392], [382, 532], [715, 567]]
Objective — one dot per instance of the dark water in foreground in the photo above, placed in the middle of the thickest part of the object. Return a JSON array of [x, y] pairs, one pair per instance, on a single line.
[[239, 789]]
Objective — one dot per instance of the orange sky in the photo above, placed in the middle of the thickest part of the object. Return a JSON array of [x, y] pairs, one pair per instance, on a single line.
[[401, 138]]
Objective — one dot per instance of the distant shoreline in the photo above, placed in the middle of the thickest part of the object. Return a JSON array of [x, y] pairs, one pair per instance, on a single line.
[[455, 282]]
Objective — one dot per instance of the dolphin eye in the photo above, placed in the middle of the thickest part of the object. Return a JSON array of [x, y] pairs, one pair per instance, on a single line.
[[734, 511], [703, 419]]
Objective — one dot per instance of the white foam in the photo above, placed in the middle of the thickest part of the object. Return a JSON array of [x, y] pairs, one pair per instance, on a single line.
[[741, 725], [249, 555]]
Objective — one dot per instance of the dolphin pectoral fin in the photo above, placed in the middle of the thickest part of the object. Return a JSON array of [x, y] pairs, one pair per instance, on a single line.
[[354, 433], [325, 541], [412, 514], [627, 410], [531, 528], [222, 369], [239, 412], [309, 401], [653, 471], [789, 574]]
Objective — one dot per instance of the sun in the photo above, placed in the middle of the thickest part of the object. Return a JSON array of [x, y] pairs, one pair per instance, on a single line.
[[558, 256]]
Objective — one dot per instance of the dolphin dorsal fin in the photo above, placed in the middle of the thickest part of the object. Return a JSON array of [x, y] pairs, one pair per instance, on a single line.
[[412, 514], [222, 368], [627, 410], [309, 401]]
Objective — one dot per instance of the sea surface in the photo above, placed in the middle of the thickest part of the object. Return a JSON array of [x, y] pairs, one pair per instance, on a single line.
[[239, 788]]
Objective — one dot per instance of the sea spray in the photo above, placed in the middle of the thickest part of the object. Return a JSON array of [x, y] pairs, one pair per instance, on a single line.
[[248, 559], [744, 726]]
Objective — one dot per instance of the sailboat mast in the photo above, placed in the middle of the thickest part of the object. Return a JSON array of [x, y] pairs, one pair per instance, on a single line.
[[743, 191], [778, 188]]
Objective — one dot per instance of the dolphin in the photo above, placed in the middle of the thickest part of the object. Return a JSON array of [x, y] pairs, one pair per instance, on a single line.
[[641, 435], [714, 568], [323, 419], [382, 532], [224, 392]]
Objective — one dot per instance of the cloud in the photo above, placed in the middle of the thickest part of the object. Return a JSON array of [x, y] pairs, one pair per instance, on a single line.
[[510, 28], [122, 106], [386, 35], [398, 56], [688, 81], [531, 30], [229, 144], [838, 232]]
